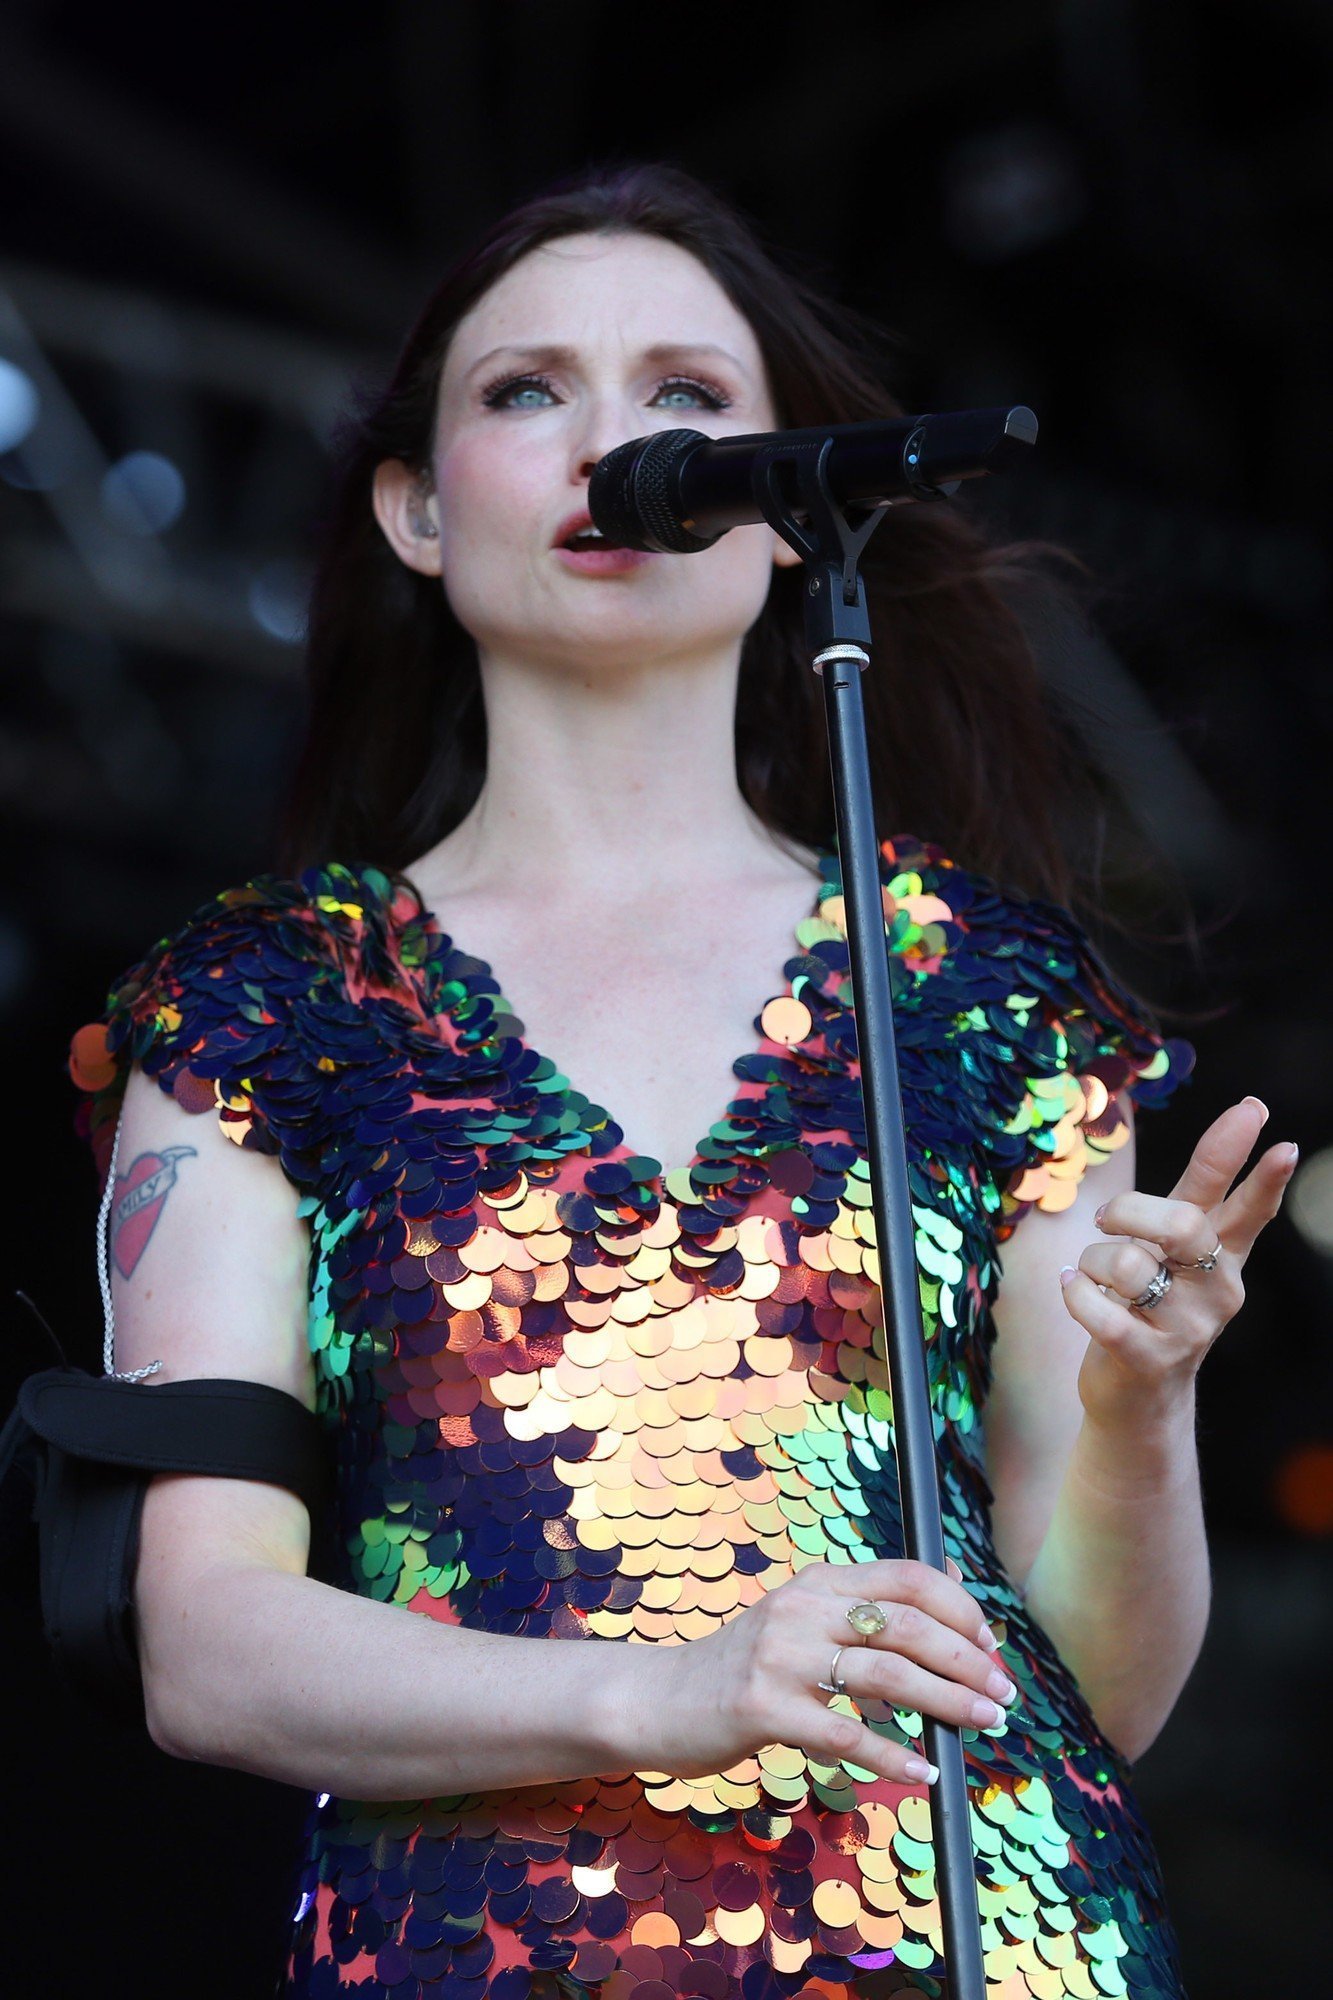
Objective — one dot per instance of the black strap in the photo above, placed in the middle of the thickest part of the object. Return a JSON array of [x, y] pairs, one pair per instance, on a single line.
[[212, 1424], [89, 1446]]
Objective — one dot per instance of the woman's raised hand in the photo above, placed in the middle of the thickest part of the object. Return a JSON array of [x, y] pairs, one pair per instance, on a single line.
[[706, 1704], [1144, 1358]]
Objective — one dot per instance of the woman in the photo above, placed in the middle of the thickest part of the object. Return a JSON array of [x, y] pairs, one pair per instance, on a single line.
[[591, 1375]]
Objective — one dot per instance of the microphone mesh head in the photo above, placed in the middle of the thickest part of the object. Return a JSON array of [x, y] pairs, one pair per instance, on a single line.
[[631, 494]]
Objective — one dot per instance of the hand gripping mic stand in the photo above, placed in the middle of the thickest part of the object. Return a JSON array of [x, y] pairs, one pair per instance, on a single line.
[[837, 630]]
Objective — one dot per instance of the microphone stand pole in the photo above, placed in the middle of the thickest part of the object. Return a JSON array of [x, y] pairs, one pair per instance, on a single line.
[[837, 629]]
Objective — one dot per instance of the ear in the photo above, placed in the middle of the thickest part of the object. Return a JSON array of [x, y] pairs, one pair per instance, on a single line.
[[408, 512]]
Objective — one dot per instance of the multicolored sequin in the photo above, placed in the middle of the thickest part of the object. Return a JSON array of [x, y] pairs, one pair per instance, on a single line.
[[580, 1401]]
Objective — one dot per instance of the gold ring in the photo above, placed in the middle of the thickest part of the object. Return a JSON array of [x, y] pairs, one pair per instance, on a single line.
[[867, 1619]]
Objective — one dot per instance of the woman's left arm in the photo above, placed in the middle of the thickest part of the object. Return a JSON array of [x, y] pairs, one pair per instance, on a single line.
[[1090, 1423]]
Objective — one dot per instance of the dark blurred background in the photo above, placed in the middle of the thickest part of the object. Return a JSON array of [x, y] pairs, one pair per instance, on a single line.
[[1114, 212]]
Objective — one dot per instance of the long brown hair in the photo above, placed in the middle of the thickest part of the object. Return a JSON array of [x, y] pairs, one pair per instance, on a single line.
[[966, 747]]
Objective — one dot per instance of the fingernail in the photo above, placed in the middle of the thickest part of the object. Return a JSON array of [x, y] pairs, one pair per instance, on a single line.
[[917, 1767], [1256, 1100], [988, 1639], [1001, 1686], [1067, 1271], [1293, 1152], [987, 1713], [1097, 1218]]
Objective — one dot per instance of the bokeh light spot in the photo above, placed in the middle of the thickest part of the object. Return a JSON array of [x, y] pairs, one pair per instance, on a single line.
[[20, 405], [277, 598], [1303, 1489], [1310, 1200], [143, 493]]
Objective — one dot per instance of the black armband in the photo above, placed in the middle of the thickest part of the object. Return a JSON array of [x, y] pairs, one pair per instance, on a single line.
[[89, 1445]]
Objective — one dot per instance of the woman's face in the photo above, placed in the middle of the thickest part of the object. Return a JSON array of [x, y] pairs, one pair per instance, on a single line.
[[650, 342]]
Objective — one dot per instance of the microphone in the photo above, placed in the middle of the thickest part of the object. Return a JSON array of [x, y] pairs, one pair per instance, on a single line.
[[679, 491]]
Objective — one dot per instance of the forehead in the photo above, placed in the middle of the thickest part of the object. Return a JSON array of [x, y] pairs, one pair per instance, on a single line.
[[621, 293]]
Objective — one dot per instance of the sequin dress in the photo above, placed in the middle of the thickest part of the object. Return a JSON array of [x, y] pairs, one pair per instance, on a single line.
[[574, 1399]]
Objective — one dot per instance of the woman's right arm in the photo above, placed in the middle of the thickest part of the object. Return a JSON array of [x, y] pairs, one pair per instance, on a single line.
[[250, 1663]]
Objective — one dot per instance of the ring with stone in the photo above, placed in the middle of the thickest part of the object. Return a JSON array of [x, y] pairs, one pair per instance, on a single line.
[[866, 1620], [1154, 1291], [1208, 1262]]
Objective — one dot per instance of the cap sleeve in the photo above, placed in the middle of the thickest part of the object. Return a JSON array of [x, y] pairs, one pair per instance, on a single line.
[[224, 1015], [1076, 1045]]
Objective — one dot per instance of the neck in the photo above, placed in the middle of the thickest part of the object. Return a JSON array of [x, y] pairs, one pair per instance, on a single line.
[[586, 773]]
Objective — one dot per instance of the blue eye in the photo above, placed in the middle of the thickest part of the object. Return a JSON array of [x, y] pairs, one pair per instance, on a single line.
[[491, 397], [713, 398], [537, 393]]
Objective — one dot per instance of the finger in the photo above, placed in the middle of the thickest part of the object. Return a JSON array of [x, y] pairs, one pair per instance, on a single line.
[[914, 1635], [1110, 1322], [1126, 1266], [907, 1582], [1221, 1153], [835, 1737], [901, 1683], [1172, 1227], [1251, 1206]]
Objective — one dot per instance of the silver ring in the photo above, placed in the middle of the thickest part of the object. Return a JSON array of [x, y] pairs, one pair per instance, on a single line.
[[833, 1685], [1155, 1290], [1205, 1263]]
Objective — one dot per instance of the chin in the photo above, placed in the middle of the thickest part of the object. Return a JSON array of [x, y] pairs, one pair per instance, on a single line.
[[605, 615], [608, 639]]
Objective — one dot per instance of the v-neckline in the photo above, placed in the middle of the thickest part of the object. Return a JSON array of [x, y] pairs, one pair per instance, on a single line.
[[623, 1154]]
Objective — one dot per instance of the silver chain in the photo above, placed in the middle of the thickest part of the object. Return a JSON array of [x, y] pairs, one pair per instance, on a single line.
[[104, 1276]]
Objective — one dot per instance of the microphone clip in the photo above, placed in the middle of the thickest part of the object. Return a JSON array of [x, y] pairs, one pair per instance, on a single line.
[[828, 541]]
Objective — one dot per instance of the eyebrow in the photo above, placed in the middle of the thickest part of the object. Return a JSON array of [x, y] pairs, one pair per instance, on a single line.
[[557, 356]]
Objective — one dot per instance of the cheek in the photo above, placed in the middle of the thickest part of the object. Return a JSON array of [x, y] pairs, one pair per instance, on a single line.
[[742, 568], [491, 497]]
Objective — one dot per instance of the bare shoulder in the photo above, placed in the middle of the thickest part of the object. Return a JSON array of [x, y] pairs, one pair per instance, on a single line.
[[208, 1253]]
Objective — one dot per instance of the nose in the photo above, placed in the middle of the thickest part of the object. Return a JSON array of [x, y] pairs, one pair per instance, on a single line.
[[608, 420]]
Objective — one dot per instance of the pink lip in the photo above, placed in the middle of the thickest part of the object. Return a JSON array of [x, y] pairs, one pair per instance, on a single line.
[[595, 562], [604, 562]]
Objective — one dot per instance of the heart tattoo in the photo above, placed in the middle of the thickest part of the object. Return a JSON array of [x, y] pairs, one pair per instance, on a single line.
[[137, 1203]]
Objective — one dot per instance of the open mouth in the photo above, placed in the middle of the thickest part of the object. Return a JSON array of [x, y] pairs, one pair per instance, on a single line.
[[589, 538], [579, 533]]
